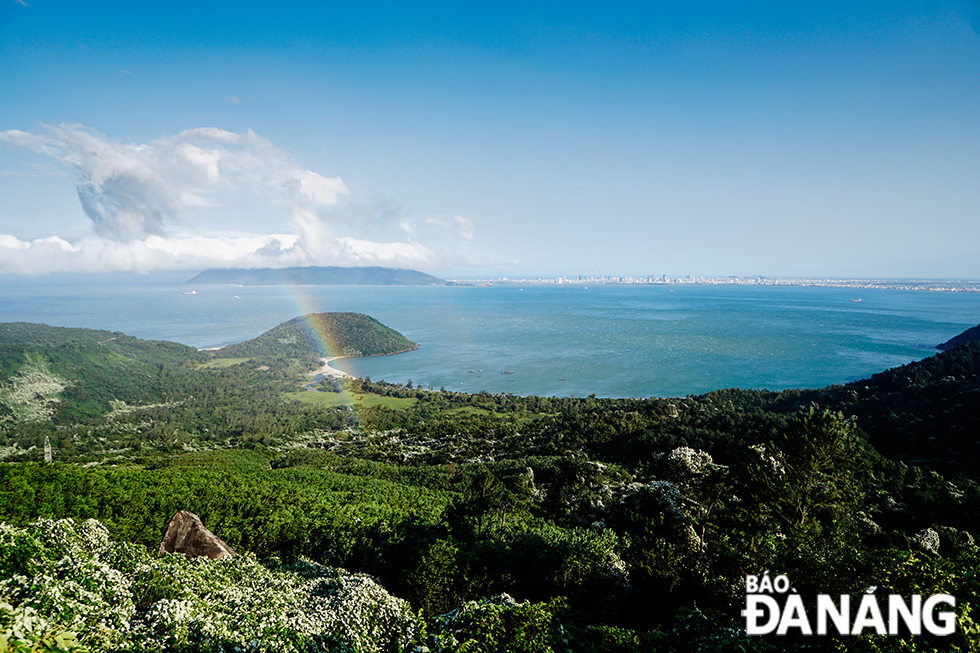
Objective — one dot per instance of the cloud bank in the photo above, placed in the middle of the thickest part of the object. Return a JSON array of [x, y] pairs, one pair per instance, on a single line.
[[141, 200]]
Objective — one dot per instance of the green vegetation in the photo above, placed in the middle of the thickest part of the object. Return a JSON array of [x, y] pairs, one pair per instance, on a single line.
[[499, 522], [115, 596], [346, 398], [323, 334], [217, 363]]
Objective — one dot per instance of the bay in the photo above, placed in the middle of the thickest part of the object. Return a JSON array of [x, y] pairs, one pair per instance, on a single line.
[[551, 340]]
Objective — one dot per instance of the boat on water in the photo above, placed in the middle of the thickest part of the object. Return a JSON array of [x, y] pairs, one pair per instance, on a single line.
[[191, 292]]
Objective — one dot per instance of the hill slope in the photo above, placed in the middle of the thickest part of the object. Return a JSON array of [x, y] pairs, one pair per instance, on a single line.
[[71, 374], [154, 352], [317, 276], [324, 334], [970, 335]]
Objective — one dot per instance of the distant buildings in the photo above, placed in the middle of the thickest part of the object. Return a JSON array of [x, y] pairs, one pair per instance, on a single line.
[[652, 279]]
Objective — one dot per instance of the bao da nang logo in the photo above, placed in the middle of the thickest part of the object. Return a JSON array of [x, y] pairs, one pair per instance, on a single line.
[[773, 607]]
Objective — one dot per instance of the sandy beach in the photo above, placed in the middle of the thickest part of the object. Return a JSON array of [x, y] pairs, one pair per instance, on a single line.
[[326, 370]]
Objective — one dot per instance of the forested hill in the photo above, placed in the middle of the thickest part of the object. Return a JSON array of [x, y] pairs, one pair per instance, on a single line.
[[318, 276], [970, 335], [15, 335], [70, 374], [925, 413], [324, 334]]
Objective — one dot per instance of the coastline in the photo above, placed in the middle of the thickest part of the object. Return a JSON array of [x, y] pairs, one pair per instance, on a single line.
[[326, 370], [332, 372]]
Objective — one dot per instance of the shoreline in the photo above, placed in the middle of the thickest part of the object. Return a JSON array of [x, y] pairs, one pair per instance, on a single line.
[[332, 372], [326, 370]]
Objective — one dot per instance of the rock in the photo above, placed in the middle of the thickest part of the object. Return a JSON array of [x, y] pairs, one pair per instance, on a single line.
[[186, 534], [865, 524], [927, 540], [955, 541], [893, 514], [871, 532]]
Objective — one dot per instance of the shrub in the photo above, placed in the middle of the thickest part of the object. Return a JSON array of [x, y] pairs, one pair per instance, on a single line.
[[63, 578]]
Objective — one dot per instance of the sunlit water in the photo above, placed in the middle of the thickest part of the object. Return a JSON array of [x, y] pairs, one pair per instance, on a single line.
[[613, 341]]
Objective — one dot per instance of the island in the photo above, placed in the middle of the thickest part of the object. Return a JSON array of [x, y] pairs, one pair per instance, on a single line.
[[316, 276]]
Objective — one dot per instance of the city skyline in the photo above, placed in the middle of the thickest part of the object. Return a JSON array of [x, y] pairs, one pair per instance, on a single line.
[[937, 285], [837, 140]]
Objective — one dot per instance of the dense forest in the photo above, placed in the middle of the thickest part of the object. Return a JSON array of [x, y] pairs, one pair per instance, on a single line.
[[383, 517]]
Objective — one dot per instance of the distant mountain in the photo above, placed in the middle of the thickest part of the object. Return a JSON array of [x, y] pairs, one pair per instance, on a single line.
[[317, 276], [970, 335], [323, 334]]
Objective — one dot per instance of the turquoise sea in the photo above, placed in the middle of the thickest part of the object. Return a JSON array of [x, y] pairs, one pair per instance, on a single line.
[[610, 340]]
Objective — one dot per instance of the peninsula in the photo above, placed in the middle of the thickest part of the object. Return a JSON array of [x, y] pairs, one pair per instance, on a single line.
[[320, 335]]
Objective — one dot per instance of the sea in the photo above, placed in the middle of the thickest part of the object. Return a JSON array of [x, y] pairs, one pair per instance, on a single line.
[[541, 339]]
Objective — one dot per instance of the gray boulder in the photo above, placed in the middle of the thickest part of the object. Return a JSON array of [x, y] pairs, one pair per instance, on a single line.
[[927, 540], [186, 534]]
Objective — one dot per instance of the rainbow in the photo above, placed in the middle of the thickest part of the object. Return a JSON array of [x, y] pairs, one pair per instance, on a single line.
[[306, 306]]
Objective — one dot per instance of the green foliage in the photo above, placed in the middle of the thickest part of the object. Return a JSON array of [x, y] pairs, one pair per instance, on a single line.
[[323, 334], [499, 624], [435, 584], [622, 524], [811, 467], [24, 631], [84, 583], [252, 507], [696, 630]]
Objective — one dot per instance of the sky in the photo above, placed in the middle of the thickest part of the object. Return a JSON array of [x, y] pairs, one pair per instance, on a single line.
[[515, 139]]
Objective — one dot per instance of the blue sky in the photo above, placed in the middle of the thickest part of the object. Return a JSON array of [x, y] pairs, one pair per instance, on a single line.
[[834, 139]]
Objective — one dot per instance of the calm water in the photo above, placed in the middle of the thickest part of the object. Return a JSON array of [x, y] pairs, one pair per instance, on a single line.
[[613, 341]]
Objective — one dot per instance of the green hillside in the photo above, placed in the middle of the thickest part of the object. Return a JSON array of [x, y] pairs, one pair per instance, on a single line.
[[323, 334], [91, 392], [154, 352], [970, 335], [66, 375], [506, 523]]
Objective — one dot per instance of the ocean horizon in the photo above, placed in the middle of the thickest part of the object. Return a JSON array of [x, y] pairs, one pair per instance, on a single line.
[[548, 340]]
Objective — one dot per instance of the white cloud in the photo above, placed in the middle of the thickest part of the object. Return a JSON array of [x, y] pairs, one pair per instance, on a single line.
[[134, 190], [53, 254], [455, 227], [141, 200], [464, 227]]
